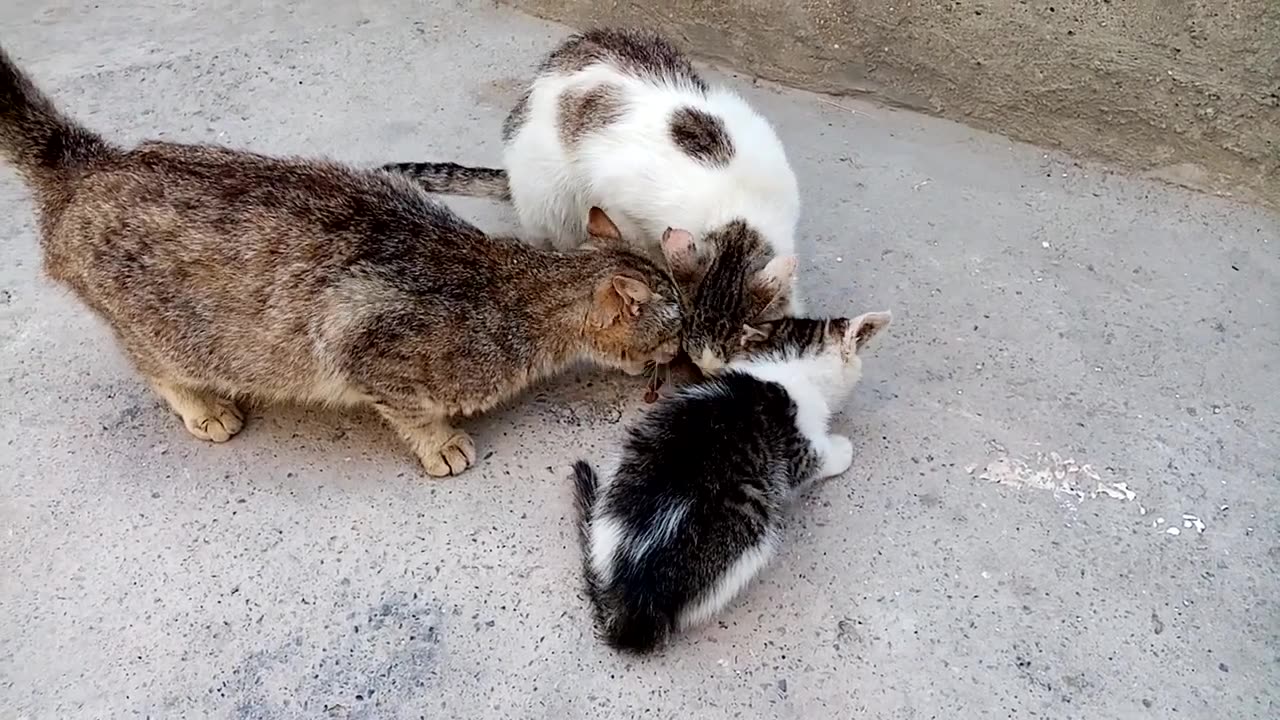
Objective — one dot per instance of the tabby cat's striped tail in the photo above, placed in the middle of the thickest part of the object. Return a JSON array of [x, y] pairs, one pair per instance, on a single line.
[[453, 179], [42, 143]]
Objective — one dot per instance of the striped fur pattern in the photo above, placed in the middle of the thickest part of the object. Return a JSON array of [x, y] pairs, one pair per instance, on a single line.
[[227, 275], [453, 179]]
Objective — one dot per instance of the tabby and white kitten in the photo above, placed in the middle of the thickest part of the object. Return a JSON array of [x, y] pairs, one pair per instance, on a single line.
[[695, 507], [621, 120], [227, 274]]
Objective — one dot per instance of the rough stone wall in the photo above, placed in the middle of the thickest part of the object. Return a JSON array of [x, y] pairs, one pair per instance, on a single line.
[[1185, 90]]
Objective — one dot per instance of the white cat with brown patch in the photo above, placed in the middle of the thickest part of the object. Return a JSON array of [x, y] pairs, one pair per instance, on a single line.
[[621, 120]]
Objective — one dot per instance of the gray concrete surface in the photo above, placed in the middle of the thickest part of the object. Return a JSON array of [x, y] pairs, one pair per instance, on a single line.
[[1187, 91], [1053, 323]]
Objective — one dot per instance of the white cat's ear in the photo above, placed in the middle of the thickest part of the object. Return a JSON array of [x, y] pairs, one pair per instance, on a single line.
[[864, 327], [756, 333], [677, 248], [600, 226]]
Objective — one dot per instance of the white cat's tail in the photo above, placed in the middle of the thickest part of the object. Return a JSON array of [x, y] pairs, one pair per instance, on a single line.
[[448, 178], [42, 143], [626, 626]]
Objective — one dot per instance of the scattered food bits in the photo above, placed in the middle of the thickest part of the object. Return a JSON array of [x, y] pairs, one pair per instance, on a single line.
[[1173, 531]]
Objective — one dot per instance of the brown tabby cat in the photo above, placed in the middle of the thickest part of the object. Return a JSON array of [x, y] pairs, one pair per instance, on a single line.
[[227, 274]]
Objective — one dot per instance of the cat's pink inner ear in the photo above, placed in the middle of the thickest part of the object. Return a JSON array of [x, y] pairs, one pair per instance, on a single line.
[[677, 248], [865, 327], [677, 243], [599, 225]]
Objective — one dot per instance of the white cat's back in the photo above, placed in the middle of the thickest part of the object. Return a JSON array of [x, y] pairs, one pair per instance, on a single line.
[[636, 165], [546, 187], [630, 164]]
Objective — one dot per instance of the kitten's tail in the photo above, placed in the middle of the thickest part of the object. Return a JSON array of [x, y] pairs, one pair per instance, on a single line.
[[585, 486], [454, 179], [626, 628], [42, 143]]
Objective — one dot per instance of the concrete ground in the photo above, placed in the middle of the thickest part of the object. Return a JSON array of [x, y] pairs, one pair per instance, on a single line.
[[1063, 503]]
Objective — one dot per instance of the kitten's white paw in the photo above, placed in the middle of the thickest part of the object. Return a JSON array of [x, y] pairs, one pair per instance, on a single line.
[[839, 456], [456, 454], [217, 421]]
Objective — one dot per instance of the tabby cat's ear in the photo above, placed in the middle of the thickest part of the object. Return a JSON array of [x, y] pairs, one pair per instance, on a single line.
[[677, 248], [756, 333], [634, 293], [864, 327], [600, 226], [615, 297]]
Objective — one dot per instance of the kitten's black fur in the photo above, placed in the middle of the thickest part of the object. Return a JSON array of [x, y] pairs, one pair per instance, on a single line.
[[729, 452]]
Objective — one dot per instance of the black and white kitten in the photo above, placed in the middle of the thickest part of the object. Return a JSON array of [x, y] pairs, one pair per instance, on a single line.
[[695, 508]]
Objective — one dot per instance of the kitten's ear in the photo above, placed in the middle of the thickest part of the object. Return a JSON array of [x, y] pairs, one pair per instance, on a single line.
[[600, 226], [677, 248], [778, 273], [771, 287], [864, 327], [756, 333]]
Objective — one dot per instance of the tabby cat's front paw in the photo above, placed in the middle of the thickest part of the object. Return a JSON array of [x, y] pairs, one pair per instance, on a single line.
[[216, 421], [456, 454]]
